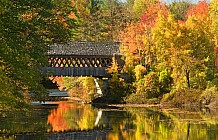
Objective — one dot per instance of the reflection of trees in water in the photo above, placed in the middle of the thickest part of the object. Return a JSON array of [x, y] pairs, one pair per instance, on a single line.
[[144, 124], [138, 123], [210, 116], [56, 118], [118, 121], [127, 123], [72, 117], [151, 124], [21, 121]]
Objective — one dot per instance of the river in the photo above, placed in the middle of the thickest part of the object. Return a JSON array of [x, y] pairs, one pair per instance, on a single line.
[[70, 120]]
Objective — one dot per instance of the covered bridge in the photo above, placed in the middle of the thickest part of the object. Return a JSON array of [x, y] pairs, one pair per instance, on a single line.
[[82, 58]]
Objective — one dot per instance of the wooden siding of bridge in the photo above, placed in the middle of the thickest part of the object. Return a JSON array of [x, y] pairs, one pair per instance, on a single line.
[[77, 71]]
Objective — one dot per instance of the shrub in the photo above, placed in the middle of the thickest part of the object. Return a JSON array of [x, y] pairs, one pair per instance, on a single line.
[[140, 99], [168, 97], [148, 87], [182, 97], [139, 72], [165, 81], [135, 99], [209, 95]]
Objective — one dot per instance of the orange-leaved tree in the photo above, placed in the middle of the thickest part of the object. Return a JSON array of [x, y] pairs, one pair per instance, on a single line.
[[136, 38], [139, 52], [200, 9]]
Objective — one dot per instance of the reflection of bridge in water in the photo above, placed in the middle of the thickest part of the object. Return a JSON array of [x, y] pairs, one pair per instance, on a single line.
[[68, 135], [82, 58]]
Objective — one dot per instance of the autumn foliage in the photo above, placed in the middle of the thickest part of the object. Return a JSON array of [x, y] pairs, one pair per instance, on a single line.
[[179, 54], [200, 9], [165, 50], [149, 17], [56, 118], [80, 88], [61, 118], [161, 54]]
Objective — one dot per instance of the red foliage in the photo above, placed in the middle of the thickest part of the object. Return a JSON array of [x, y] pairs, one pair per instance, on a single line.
[[56, 118], [132, 37], [151, 13], [200, 9]]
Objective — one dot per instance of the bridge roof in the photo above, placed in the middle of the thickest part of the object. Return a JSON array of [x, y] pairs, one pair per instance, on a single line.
[[85, 48]]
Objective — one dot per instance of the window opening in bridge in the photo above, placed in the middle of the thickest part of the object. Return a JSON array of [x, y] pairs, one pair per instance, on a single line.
[[97, 63], [64, 62], [68, 62], [79, 62], [88, 64], [74, 62]]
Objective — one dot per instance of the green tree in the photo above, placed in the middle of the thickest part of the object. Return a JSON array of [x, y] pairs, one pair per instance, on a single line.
[[179, 9], [90, 20], [26, 29], [101, 20]]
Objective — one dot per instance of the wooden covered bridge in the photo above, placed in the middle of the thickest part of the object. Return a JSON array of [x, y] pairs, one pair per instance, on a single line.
[[82, 58]]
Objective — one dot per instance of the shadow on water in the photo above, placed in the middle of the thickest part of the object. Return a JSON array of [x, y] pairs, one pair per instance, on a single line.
[[68, 120]]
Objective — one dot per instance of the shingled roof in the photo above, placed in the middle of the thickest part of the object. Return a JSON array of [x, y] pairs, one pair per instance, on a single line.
[[85, 48]]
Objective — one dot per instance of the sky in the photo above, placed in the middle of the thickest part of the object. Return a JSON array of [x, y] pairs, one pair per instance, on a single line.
[[170, 1], [191, 1]]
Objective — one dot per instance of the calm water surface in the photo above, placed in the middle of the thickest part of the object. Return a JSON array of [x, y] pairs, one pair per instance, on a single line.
[[68, 120]]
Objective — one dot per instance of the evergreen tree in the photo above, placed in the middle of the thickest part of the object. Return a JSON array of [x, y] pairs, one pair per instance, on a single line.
[[101, 20]]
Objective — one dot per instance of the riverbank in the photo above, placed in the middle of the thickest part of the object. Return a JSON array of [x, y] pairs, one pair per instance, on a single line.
[[159, 106], [178, 100]]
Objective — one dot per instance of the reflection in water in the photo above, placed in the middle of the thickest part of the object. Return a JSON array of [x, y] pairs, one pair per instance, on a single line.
[[72, 117], [82, 121], [98, 117], [154, 125]]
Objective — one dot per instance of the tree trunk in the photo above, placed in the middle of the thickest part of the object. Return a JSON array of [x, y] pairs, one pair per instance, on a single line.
[[187, 78]]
